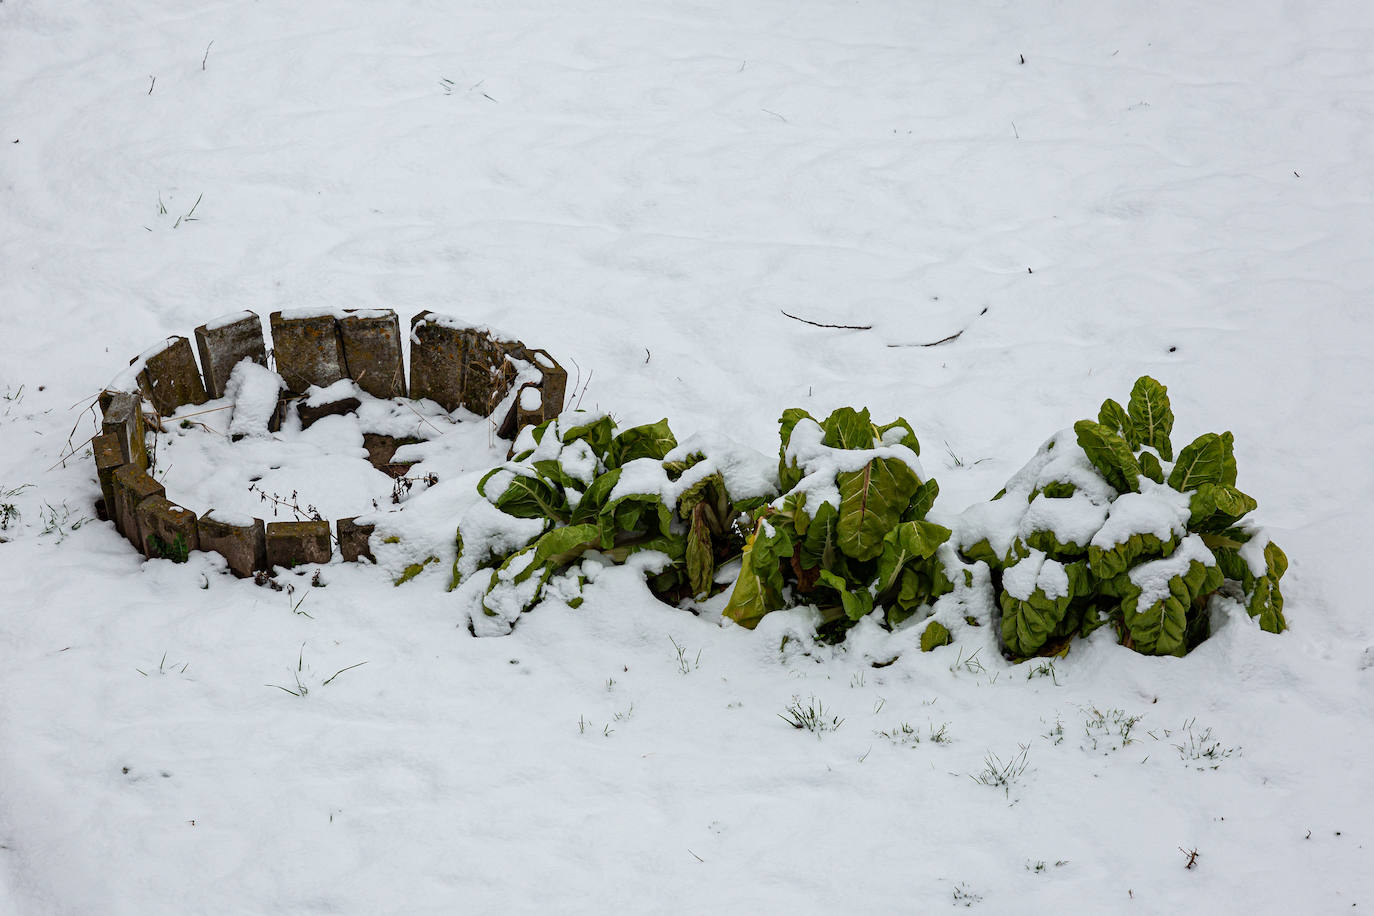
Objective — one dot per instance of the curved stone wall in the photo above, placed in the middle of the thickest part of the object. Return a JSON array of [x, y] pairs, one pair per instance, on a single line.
[[452, 363]]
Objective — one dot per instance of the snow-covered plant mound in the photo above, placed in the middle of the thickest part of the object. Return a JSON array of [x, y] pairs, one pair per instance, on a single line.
[[1105, 526]]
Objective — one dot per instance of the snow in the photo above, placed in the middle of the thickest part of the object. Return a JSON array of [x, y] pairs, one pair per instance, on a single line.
[[224, 321], [1153, 578], [1176, 191], [1036, 572], [1157, 509], [344, 388], [252, 390]]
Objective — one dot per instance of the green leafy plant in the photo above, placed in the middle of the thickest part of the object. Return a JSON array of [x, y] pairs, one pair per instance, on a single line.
[[177, 550], [1105, 526], [849, 534], [613, 493], [810, 716]]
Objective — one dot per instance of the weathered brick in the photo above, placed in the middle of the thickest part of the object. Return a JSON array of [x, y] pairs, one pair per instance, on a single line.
[[171, 378], [372, 352], [132, 485], [553, 385], [224, 343], [526, 410], [312, 413], [381, 449], [487, 374], [308, 350], [108, 459], [353, 539], [243, 546], [290, 544], [168, 531], [436, 360], [122, 413]]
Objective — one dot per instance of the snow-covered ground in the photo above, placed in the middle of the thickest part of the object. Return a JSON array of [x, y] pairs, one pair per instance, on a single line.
[[1089, 191]]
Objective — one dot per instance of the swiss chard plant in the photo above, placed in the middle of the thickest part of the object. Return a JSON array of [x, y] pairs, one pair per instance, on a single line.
[[591, 488], [849, 534], [1107, 526]]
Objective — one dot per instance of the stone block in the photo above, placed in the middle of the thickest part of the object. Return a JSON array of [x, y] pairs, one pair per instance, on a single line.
[[526, 410], [132, 485], [290, 544], [553, 386], [308, 350], [372, 352], [108, 459], [168, 531], [171, 378], [381, 449], [353, 539], [122, 414], [242, 542], [437, 347], [312, 413], [487, 374], [224, 343]]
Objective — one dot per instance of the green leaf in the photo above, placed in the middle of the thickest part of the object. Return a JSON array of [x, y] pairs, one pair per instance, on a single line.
[[1027, 624], [631, 515], [1161, 628], [594, 500], [1150, 415], [551, 471], [922, 501], [819, 545], [1113, 416], [1107, 563], [909, 440], [754, 594], [675, 469], [856, 602], [530, 497], [935, 634], [1204, 460], [701, 566], [848, 428], [1228, 463], [788, 422], [1110, 454], [559, 547], [597, 434], [908, 542], [1150, 466], [871, 504], [653, 440], [1217, 507]]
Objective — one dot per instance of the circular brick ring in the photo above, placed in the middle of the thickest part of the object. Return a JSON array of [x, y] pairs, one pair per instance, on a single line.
[[452, 363]]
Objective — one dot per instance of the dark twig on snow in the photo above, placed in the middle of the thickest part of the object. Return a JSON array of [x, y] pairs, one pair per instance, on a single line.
[[846, 327], [935, 343]]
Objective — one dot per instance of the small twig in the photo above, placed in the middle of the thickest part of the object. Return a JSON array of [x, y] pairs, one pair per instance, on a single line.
[[697, 857], [936, 343], [207, 55], [1014, 131], [151, 83], [846, 327], [647, 356], [774, 114], [341, 671], [422, 417]]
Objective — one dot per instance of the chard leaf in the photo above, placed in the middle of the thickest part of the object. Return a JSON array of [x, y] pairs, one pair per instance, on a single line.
[[675, 469], [922, 501], [1113, 416], [1228, 464], [856, 602], [819, 545], [1110, 454], [653, 440], [1161, 628], [633, 514], [701, 566], [597, 434], [906, 543], [935, 634], [530, 497], [1027, 625], [1201, 461], [1217, 507], [909, 440], [1150, 466], [1150, 415], [558, 548], [754, 594], [594, 500], [848, 428], [788, 422], [871, 504]]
